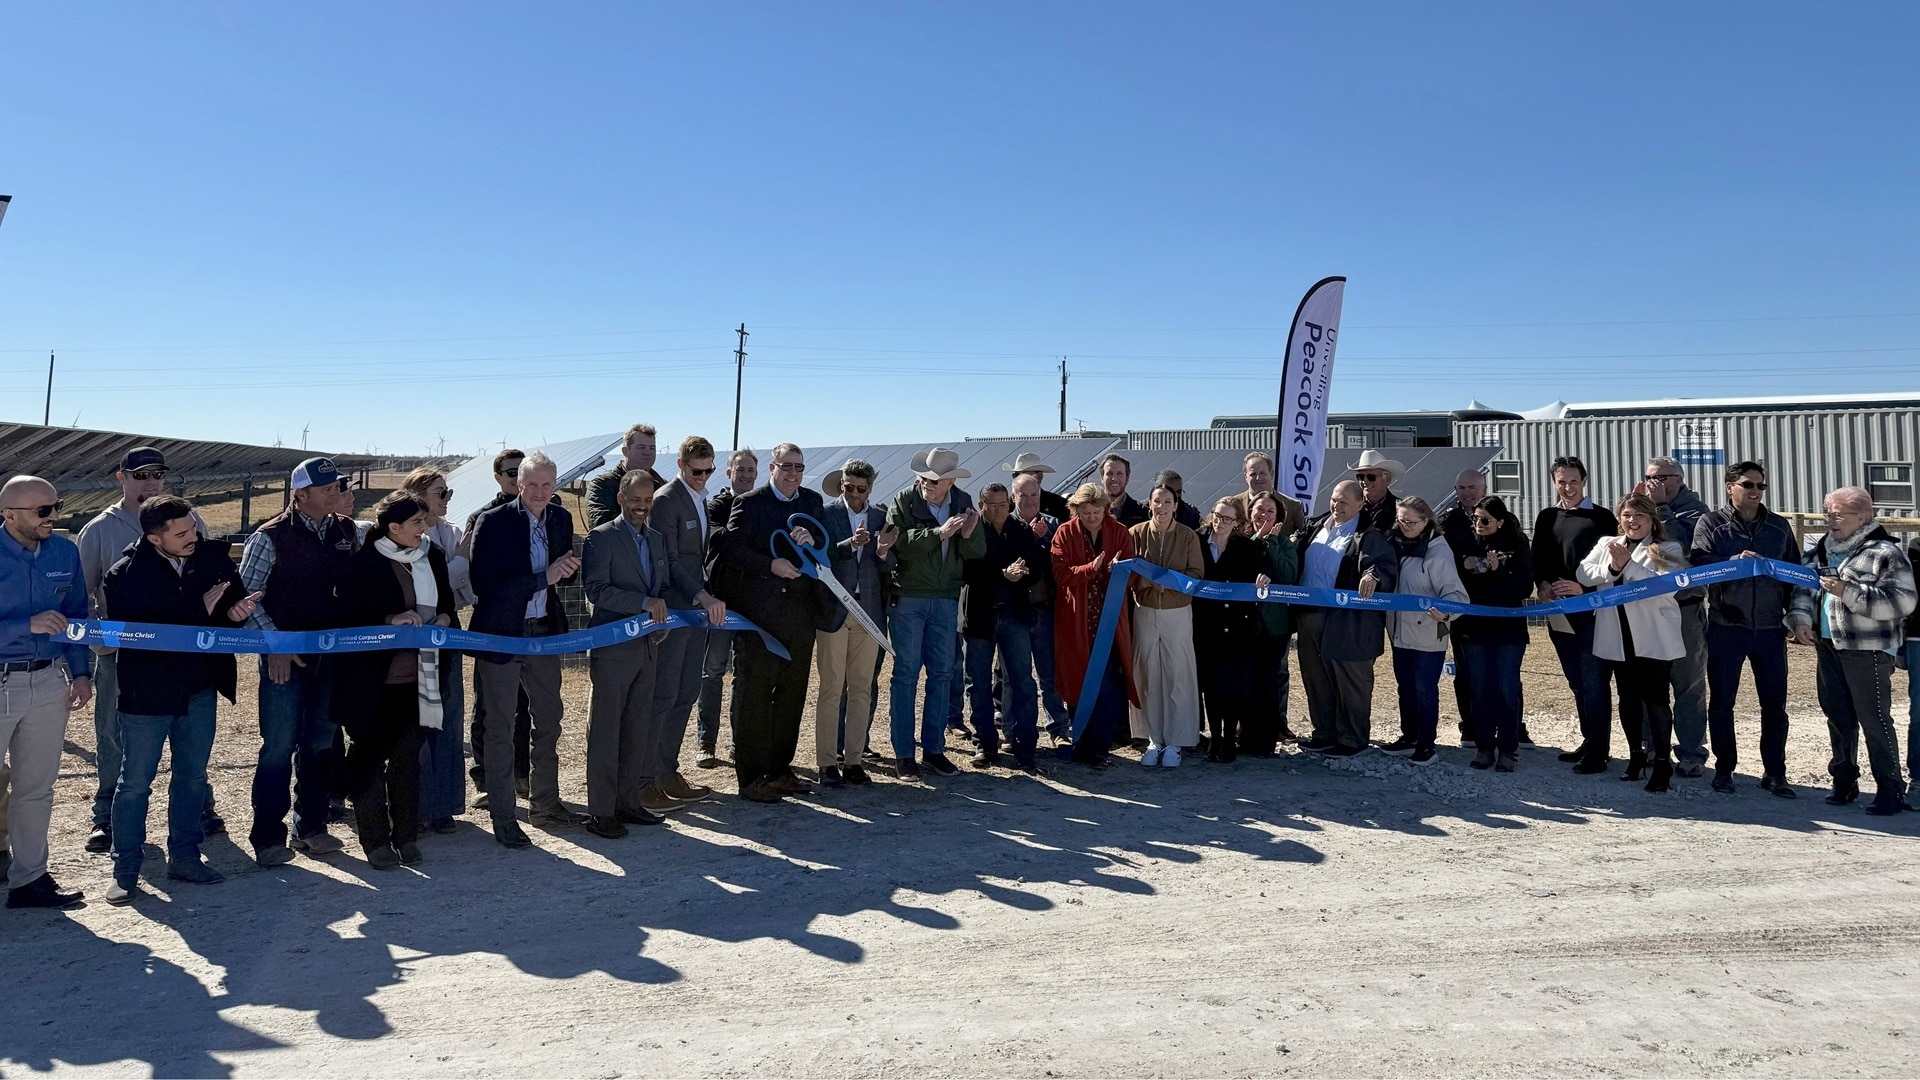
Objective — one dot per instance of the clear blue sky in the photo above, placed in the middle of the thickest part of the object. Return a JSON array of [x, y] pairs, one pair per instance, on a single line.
[[530, 222]]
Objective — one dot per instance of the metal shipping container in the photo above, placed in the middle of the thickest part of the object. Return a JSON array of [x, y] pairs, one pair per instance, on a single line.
[[1807, 454], [1339, 437]]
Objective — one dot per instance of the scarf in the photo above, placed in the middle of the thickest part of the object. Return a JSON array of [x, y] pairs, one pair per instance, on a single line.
[[427, 595]]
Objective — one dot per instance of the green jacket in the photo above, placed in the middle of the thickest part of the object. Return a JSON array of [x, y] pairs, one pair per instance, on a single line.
[[1280, 561], [920, 570]]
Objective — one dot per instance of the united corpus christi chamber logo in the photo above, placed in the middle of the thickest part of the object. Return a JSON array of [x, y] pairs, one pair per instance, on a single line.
[[632, 627], [326, 642], [76, 631], [437, 636], [1682, 580], [1342, 598], [203, 639]]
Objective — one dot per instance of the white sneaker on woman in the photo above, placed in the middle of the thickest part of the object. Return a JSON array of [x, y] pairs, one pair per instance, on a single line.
[[1170, 758], [1151, 756]]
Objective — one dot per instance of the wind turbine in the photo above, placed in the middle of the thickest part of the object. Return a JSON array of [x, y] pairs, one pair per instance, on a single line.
[[303, 434]]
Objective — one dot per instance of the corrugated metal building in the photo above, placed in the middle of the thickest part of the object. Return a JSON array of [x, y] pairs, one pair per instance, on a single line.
[[1339, 436], [1809, 446]]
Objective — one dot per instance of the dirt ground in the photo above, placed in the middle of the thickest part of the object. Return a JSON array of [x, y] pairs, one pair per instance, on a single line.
[[1288, 916]]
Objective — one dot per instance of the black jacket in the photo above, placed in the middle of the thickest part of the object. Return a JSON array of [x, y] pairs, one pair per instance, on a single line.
[[985, 591], [501, 568], [1379, 516], [1127, 510], [1224, 630], [1347, 633], [1561, 538], [1757, 603], [1509, 586], [370, 593], [143, 587], [743, 578]]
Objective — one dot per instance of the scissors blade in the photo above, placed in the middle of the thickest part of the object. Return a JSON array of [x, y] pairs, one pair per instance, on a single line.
[[854, 610]]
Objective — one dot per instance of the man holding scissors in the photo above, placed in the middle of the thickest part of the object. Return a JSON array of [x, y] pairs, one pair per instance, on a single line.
[[770, 694]]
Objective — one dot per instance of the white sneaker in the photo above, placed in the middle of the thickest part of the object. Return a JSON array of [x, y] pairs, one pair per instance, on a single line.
[[1170, 758], [1151, 756], [120, 895]]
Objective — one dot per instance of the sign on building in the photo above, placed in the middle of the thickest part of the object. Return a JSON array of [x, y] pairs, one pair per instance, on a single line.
[[1697, 442]]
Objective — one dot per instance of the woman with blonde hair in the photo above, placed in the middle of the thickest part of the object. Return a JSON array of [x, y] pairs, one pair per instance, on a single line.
[[1084, 551], [1641, 640]]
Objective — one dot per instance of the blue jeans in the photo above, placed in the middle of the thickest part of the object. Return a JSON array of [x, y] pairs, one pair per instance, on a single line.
[[142, 738], [1013, 639], [296, 753], [1730, 648], [1587, 677], [712, 681], [1491, 674], [923, 630], [106, 733], [1417, 675], [1059, 721], [443, 758], [957, 688]]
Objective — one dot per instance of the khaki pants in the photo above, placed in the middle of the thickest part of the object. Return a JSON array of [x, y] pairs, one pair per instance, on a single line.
[[1166, 676], [33, 729], [844, 661]]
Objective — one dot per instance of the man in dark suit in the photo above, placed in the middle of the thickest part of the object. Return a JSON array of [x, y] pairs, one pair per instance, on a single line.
[[770, 694], [519, 555], [680, 514], [506, 475], [743, 473], [847, 658], [628, 568]]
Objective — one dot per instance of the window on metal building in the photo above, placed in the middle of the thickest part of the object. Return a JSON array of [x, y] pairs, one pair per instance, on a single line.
[[1890, 484], [1506, 478]]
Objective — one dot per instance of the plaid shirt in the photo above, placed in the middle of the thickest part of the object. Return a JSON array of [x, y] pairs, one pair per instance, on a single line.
[[257, 557], [1870, 614]]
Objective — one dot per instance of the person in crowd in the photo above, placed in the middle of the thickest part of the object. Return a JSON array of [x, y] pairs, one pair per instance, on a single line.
[[1084, 551], [1747, 624], [1266, 723], [506, 475], [1224, 632], [295, 561], [1563, 535], [770, 694], [1680, 513], [1116, 473], [680, 515], [521, 550], [639, 449], [1420, 637], [1257, 470], [44, 676], [1456, 524], [1856, 624], [1376, 474], [166, 698], [104, 541], [627, 566], [1165, 671], [1029, 464], [1027, 512], [845, 655], [443, 759], [1183, 512], [387, 700], [1912, 657], [1496, 567], [997, 619], [1640, 640], [939, 530], [743, 472], [1339, 645]]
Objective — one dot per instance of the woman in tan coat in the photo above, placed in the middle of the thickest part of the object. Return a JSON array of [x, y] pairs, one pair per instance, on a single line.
[[1163, 662]]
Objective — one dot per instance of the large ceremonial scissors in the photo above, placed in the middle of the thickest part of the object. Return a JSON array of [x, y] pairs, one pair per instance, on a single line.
[[812, 561]]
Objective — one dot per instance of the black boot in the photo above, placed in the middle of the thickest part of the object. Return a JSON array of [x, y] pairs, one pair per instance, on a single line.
[[1635, 765], [1578, 753], [1662, 773], [1844, 791]]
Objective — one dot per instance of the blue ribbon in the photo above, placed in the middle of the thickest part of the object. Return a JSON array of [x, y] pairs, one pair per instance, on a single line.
[[171, 638], [1301, 596]]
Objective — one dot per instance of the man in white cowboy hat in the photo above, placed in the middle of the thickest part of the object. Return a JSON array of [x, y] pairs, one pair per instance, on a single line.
[[1029, 464], [939, 531], [1376, 473]]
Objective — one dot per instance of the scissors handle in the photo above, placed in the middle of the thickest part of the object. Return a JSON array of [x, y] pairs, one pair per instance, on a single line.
[[809, 559]]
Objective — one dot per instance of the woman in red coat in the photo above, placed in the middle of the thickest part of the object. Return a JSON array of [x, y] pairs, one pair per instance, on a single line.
[[1084, 551]]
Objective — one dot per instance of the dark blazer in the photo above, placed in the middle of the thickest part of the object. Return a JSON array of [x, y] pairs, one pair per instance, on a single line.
[[1346, 633], [865, 577], [1224, 630], [985, 592], [786, 609], [370, 594], [719, 509], [610, 570], [143, 587], [677, 514], [501, 569]]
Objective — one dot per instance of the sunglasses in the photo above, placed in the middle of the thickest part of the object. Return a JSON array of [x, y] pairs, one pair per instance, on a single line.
[[790, 466], [41, 512], [708, 471], [1752, 485], [441, 493], [148, 474], [1369, 476], [513, 472], [855, 489], [1485, 522], [1663, 478]]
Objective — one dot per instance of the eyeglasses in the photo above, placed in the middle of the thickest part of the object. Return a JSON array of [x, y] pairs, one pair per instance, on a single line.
[[855, 489], [42, 512], [1752, 485], [148, 474], [708, 471], [1369, 476], [1663, 477], [790, 466]]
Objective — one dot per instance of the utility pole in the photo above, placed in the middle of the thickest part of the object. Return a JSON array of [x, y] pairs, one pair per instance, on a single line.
[[739, 377], [1063, 395], [46, 414]]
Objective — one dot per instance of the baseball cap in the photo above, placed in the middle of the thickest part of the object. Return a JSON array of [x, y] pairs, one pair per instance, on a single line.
[[314, 472], [142, 457]]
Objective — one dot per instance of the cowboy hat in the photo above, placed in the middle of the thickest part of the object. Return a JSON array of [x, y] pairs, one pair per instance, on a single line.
[[1374, 459], [1026, 463], [830, 483], [937, 463]]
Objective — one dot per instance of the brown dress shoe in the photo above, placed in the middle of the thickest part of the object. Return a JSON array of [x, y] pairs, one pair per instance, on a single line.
[[760, 791], [655, 801], [678, 787]]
